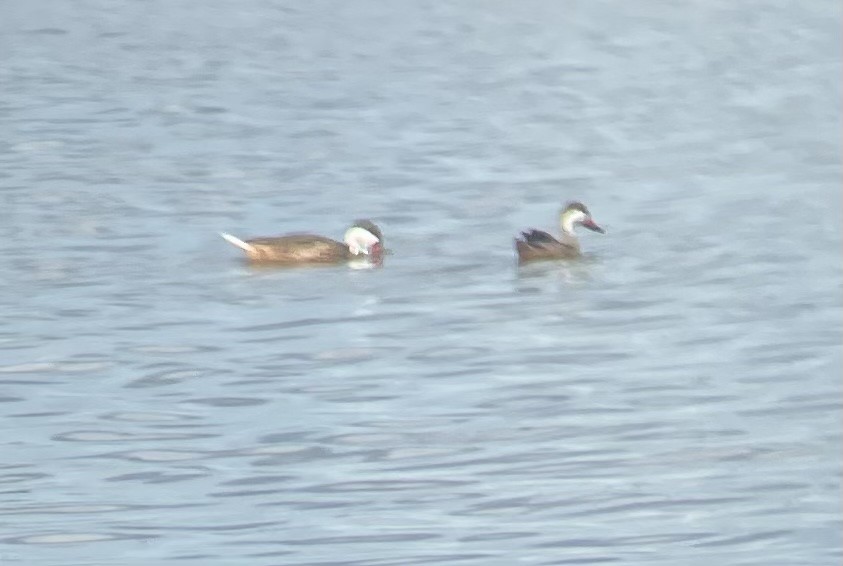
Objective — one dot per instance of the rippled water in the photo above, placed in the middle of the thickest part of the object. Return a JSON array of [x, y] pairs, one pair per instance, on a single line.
[[673, 398]]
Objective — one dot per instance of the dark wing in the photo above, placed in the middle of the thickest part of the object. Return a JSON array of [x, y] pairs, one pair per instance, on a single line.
[[298, 248], [538, 238]]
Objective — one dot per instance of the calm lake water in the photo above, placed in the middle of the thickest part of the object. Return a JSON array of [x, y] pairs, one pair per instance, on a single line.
[[673, 398]]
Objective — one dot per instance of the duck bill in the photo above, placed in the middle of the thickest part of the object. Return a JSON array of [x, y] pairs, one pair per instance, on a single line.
[[589, 223], [376, 251]]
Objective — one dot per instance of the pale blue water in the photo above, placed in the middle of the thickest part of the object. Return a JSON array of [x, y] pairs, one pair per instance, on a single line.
[[674, 398]]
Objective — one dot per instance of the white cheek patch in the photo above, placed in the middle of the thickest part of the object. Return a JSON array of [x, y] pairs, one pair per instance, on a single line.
[[572, 218], [359, 240]]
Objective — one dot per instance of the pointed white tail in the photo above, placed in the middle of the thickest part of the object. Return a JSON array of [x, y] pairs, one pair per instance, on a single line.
[[234, 240]]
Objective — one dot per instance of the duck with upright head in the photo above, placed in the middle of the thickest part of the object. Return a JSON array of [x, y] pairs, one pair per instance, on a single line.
[[362, 239], [537, 245]]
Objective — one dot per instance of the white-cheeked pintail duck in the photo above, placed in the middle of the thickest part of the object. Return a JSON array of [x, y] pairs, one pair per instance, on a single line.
[[362, 239], [537, 245]]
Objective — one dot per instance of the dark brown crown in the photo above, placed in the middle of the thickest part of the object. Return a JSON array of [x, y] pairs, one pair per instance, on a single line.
[[576, 205], [369, 226]]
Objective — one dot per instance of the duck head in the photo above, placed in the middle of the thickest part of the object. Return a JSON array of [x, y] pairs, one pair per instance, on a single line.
[[576, 213], [365, 238]]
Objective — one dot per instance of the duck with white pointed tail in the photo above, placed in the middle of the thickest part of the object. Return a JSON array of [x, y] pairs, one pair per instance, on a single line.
[[362, 240]]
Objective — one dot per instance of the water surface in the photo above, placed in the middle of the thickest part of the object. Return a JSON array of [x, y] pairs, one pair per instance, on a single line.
[[673, 398]]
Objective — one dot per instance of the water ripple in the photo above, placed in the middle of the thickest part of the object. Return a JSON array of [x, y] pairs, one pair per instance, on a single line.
[[673, 397]]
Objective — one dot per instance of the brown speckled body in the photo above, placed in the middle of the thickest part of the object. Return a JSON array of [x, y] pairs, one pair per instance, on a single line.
[[538, 245], [297, 248]]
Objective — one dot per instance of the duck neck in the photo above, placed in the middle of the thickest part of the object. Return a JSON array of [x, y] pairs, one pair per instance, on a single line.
[[566, 225]]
